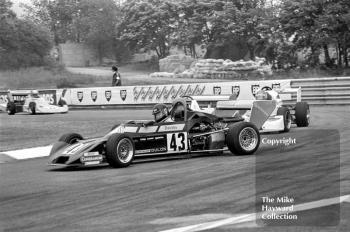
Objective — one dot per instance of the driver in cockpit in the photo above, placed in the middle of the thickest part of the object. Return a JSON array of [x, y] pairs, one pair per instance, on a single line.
[[34, 94], [160, 112], [263, 95]]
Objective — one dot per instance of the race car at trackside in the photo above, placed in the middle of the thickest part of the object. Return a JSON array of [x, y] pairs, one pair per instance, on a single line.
[[31, 102], [284, 115], [181, 131]]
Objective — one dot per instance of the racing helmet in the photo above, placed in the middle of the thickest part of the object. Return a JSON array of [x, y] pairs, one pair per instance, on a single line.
[[160, 111], [34, 93], [263, 95]]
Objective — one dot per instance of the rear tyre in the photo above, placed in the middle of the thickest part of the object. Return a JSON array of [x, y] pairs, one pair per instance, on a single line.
[[32, 107], [62, 102], [287, 119], [243, 138], [120, 150], [70, 138], [11, 108], [302, 114]]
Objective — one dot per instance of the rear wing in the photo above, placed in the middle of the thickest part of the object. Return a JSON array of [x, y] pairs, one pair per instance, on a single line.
[[17, 96], [212, 98], [286, 94], [210, 101], [226, 107], [235, 104], [260, 109]]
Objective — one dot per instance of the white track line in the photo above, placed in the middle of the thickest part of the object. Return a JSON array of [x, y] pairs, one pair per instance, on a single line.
[[29, 153], [253, 216]]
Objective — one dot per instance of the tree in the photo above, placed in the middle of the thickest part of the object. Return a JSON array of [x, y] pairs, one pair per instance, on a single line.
[[22, 43], [81, 21], [225, 27], [199, 22], [313, 25], [148, 24], [95, 24], [57, 15], [335, 24]]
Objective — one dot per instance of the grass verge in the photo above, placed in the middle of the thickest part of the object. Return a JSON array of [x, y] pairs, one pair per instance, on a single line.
[[41, 77], [136, 74]]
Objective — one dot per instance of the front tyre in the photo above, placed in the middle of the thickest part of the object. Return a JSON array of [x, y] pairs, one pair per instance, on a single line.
[[120, 150], [11, 108], [70, 138], [243, 138]]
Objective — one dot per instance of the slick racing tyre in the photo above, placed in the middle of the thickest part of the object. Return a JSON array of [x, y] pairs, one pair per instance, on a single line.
[[65, 139], [32, 107], [302, 114], [287, 118], [120, 150], [61, 102], [70, 138], [11, 108], [243, 138]]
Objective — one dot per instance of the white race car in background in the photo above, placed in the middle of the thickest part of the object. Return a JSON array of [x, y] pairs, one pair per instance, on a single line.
[[31, 102], [280, 120]]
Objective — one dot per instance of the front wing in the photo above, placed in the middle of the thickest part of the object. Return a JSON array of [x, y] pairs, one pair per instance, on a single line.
[[273, 124], [51, 109]]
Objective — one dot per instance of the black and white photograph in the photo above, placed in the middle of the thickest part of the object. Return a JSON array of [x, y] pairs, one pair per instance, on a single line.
[[174, 115]]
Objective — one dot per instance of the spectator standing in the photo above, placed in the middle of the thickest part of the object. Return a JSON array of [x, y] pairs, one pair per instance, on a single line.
[[116, 81]]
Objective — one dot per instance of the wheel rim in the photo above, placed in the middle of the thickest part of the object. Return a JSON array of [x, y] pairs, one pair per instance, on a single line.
[[248, 139], [125, 150]]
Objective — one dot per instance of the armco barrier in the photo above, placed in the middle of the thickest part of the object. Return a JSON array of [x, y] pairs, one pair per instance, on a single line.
[[324, 91]]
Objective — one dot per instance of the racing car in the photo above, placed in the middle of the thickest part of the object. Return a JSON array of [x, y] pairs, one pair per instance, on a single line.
[[284, 115], [31, 102], [177, 131]]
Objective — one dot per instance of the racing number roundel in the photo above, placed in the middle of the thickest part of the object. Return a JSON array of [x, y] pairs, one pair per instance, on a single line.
[[177, 142]]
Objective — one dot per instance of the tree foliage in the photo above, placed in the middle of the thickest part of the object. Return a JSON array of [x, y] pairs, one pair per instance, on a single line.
[[22, 43], [276, 30], [57, 16], [88, 21], [148, 24], [95, 24], [313, 25], [155, 24]]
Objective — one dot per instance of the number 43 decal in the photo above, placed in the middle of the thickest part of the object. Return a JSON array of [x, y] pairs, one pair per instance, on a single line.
[[177, 142]]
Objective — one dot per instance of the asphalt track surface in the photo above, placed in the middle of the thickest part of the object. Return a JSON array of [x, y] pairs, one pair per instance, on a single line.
[[163, 195]]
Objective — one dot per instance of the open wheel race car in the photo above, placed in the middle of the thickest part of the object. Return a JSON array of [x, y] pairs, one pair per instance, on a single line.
[[31, 102], [179, 131], [281, 119]]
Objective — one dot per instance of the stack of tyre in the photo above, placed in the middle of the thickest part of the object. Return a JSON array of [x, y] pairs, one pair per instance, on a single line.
[[175, 63]]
